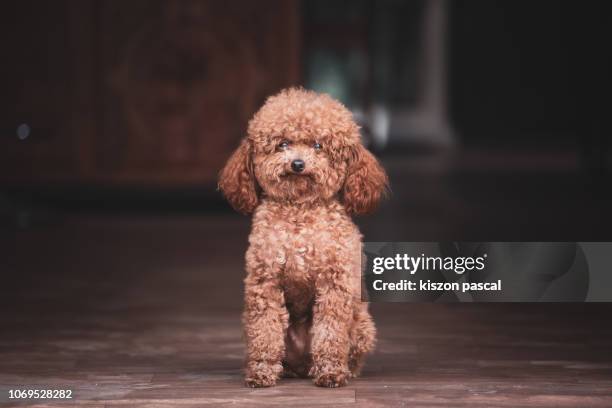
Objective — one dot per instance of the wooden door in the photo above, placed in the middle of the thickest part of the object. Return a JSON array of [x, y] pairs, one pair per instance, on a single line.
[[140, 92]]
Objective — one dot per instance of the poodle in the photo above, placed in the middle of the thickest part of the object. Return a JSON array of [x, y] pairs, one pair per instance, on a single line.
[[302, 171]]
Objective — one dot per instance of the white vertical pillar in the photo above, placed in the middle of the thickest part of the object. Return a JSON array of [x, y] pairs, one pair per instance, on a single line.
[[427, 121], [434, 91]]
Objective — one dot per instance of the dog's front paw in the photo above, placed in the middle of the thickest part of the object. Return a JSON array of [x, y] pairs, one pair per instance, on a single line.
[[331, 378], [259, 374], [259, 381]]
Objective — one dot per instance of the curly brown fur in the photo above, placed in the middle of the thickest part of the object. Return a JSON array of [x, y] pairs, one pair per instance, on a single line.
[[303, 315]]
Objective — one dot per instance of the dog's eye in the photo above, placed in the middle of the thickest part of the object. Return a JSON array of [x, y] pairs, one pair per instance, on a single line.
[[283, 145], [317, 146]]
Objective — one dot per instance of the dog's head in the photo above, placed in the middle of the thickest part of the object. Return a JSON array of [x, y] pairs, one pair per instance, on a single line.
[[303, 146]]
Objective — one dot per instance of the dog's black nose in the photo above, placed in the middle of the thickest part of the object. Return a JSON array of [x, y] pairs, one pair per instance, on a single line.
[[298, 165]]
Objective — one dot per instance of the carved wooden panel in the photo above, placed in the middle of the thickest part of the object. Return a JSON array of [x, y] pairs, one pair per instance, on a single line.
[[181, 79]]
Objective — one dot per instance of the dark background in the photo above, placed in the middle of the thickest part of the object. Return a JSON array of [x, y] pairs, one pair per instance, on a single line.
[[118, 255], [489, 115]]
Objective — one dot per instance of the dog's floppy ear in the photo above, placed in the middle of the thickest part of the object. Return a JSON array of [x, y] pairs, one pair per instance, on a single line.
[[237, 181], [366, 181]]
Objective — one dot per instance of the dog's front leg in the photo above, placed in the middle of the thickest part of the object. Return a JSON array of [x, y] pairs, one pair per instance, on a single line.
[[330, 331], [265, 323]]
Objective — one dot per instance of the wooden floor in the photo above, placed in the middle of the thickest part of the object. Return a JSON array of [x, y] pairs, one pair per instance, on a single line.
[[145, 311]]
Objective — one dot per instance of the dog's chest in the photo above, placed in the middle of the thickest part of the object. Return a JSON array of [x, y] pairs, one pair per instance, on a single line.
[[302, 241], [302, 246]]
